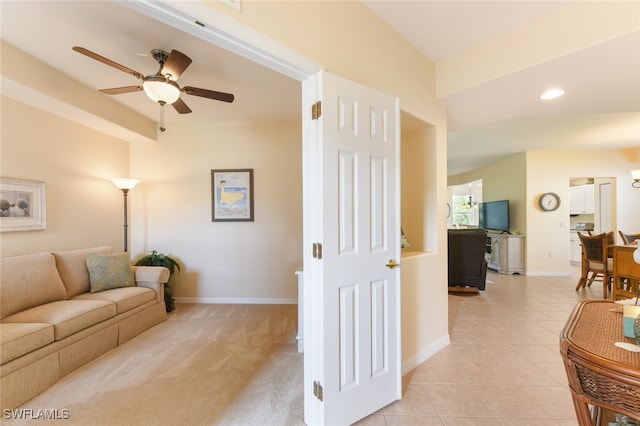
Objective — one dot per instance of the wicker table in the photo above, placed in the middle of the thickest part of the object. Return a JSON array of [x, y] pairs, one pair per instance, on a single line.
[[600, 374]]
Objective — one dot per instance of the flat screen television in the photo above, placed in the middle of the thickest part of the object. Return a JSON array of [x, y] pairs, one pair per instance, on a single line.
[[494, 215]]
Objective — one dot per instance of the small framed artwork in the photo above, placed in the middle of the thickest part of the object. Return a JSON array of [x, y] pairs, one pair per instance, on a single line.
[[232, 195], [22, 205]]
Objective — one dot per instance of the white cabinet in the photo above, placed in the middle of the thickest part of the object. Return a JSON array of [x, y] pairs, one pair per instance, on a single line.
[[581, 199], [576, 249], [505, 253]]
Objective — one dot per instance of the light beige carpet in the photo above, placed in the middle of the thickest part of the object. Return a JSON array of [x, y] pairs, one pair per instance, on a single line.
[[207, 364]]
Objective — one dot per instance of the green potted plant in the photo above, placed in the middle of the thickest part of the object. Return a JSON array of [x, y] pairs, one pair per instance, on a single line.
[[159, 259]]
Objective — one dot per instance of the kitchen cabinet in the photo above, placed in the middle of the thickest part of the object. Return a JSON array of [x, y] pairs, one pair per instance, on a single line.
[[505, 253], [576, 249], [582, 199]]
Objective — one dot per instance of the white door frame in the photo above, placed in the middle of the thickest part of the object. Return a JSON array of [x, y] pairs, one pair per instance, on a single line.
[[227, 33]]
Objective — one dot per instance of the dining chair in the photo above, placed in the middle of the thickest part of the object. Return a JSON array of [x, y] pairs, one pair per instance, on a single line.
[[628, 238], [596, 260]]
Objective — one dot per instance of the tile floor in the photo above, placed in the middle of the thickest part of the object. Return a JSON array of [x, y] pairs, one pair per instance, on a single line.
[[503, 366]]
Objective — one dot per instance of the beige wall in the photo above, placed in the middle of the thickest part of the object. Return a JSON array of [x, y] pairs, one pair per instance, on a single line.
[[547, 249], [57, 92], [418, 189], [349, 40], [84, 208], [504, 179], [550, 172], [424, 266], [172, 209]]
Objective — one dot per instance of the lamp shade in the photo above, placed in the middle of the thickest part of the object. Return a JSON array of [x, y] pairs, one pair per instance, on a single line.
[[161, 90], [125, 183]]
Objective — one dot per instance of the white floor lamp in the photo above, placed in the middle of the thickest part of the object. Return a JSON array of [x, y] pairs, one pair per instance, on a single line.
[[125, 184]]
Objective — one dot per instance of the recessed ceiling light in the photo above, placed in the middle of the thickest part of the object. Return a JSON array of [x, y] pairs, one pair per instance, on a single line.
[[551, 94]]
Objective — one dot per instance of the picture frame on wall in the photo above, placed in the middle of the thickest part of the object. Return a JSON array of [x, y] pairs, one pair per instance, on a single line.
[[232, 195], [22, 205]]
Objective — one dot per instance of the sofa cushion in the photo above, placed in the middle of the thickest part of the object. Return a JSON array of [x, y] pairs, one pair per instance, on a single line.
[[27, 281], [125, 298], [66, 316], [19, 339], [72, 265], [108, 271]]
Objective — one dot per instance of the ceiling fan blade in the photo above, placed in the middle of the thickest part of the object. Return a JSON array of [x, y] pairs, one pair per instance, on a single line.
[[181, 107], [211, 94], [120, 90], [175, 64], [109, 62]]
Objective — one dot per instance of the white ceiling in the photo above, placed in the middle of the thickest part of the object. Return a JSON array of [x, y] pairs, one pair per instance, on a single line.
[[48, 30], [601, 109]]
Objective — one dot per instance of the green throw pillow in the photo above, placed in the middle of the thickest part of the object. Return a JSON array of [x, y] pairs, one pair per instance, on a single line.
[[107, 271]]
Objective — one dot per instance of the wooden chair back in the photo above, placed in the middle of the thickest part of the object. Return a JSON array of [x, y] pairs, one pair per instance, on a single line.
[[628, 238], [595, 247], [595, 258]]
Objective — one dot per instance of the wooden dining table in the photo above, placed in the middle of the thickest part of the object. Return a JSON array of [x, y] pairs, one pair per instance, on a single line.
[[604, 379], [626, 272]]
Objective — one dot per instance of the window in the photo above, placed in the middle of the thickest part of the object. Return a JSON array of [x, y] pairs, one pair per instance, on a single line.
[[464, 210]]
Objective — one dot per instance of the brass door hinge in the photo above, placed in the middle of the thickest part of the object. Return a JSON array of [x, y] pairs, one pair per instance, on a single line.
[[316, 110], [317, 390], [317, 250]]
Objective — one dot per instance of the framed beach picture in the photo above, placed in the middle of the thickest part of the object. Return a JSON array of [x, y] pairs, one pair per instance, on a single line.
[[22, 205], [232, 195]]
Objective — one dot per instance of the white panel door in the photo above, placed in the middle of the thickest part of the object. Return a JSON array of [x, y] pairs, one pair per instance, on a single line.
[[355, 337], [605, 208]]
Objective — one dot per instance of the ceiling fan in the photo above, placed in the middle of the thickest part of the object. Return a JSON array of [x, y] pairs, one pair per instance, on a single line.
[[160, 87]]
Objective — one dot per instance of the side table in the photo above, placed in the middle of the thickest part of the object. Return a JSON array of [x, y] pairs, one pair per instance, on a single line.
[[601, 375]]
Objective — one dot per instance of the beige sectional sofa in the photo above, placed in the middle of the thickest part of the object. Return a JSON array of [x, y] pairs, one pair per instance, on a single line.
[[51, 323]]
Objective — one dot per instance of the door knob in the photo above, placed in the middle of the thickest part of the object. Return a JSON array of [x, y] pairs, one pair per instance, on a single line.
[[392, 264]]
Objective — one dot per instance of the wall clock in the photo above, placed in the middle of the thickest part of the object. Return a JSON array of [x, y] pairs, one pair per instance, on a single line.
[[549, 201]]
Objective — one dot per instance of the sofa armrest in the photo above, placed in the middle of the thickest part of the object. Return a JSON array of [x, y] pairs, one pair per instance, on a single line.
[[154, 274], [153, 277]]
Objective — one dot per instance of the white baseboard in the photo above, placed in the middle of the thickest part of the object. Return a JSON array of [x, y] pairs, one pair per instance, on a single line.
[[548, 273], [425, 354], [235, 301]]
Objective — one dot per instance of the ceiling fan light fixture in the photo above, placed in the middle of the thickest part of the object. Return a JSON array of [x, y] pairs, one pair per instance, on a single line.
[[161, 86], [551, 94], [159, 89]]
